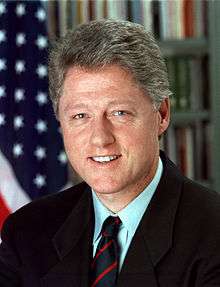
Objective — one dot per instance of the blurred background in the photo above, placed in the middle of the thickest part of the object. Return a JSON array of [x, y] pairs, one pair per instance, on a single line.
[[33, 162]]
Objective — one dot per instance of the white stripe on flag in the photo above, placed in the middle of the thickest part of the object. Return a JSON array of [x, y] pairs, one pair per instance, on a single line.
[[10, 190]]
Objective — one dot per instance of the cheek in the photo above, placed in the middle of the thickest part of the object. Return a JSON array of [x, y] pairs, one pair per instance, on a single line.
[[144, 135], [72, 142], [142, 144]]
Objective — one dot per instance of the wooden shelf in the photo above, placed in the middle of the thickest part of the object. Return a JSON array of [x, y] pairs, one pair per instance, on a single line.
[[185, 47], [189, 117]]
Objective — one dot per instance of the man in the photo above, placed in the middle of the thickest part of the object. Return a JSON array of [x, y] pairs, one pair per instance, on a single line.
[[135, 220]]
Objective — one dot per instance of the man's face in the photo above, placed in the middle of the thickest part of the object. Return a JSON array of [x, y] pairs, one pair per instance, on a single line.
[[110, 129]]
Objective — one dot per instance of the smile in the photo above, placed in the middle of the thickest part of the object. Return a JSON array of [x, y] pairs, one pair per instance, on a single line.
[[104, 159]]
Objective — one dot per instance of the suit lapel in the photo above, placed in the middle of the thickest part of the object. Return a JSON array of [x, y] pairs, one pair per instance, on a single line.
[[158, 222], [73, 245], [137, 269], [153, 238]]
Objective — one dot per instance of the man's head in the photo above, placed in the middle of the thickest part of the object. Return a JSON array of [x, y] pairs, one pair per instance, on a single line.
[[109, 86], [100, 43]]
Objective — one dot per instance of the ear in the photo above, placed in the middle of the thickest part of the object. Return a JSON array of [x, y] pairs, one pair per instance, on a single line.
[[164, 114]]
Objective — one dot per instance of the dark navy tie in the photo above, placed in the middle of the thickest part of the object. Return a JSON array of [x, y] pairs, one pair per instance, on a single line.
[[104, 267]]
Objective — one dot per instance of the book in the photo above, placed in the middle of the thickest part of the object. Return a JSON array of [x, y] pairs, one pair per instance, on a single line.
[[137, 11], [164, 15], [185, 150], [170, 143], [98, 9], [190, 145], [183, 84], [147, 14], [207, 151], [172, 74], [62, 17], [188, 18]]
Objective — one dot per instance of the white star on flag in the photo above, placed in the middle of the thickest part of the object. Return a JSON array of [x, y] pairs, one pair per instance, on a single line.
[[2, 64], [41, 71], [2, 119], [2, 8], [20, 10], [62, 157], [17, 150], [2, 91], [20, 66], [40, 180], [40, 152], [19, 95], [41, 42], [20, 39], [18, 122], [40, 14], [41, 126], [2, 36], [41, 98]]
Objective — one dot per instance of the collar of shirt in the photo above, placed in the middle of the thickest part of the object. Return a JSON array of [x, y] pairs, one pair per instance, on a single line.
[[139, 204]]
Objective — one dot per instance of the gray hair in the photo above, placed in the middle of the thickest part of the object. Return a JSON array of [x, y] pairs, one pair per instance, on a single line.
[[96, 44]]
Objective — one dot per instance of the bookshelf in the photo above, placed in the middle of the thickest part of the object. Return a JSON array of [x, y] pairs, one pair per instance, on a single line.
[[184, 47], [202, 124], [214, 50], [193, 139]]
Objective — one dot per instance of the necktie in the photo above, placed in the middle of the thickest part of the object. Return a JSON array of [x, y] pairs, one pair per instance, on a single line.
[[104, 267]]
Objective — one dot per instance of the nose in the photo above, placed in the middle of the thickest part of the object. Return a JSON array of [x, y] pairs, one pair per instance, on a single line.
[[101, 133]]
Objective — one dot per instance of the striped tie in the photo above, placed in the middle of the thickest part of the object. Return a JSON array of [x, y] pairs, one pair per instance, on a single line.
[[104, 268]]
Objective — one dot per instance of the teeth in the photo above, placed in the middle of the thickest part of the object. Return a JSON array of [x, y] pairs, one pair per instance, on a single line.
[[104, 158]]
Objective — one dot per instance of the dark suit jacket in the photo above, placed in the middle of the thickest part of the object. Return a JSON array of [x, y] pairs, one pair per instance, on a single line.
[[48, 242]]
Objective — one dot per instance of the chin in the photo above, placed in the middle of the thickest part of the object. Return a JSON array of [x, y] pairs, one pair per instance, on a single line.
[[104, 187]]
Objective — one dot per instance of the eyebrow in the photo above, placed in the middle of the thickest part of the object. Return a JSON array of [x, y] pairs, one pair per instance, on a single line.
[[111, 103], [121, 102], [74, 106]]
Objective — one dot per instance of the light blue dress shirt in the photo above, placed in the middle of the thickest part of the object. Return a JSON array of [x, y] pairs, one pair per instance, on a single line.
[[130, 215]]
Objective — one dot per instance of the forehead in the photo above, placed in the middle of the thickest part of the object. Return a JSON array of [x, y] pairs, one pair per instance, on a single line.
[[108, 75], [100, 86]]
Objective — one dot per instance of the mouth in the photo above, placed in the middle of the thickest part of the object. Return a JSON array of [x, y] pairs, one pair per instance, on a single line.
[[104, 159]]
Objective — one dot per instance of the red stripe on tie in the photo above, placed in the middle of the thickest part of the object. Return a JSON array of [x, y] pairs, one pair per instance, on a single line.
[[106, 271], [117, 220], [100, 251]]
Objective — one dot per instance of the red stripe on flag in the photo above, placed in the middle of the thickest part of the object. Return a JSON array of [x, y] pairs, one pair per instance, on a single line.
[[4, 211]]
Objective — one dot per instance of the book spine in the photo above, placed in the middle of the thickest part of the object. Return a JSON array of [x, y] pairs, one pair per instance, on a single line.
[[147, 14], [183, 84], [156, 19], [195, 83], [172, 73], [170, 144], [62, 17], [163, 12], [136, 11], [116, 9], [188, 18], [85, 11], [99, 9], [190, 167]]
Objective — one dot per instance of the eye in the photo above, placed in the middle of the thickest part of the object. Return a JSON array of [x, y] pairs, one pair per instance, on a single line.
[[80, 116], [120, 113]]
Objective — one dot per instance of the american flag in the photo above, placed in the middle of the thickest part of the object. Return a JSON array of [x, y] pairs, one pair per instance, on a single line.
[[32, 160]]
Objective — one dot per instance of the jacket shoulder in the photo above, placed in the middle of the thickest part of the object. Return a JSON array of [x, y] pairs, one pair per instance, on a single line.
[[193, 195], [197, 205], [39, 213], [202, 201]]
